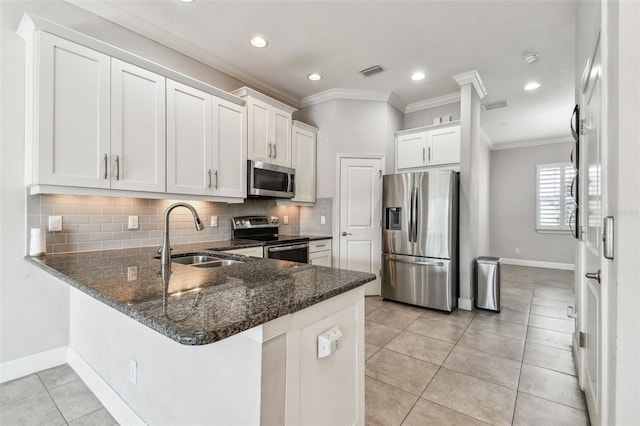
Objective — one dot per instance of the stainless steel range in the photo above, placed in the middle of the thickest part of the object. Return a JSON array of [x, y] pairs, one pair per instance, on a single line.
[[266, 228]]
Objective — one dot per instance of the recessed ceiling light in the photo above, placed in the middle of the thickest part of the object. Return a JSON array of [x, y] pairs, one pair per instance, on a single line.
[[187, 1], [259, 42], [530, 57], [417, 76], [532, 86], [314, 77]]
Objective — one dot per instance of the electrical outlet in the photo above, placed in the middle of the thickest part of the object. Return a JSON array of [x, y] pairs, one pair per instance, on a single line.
[[133, 372], [55, 223], [285, 219], [214, 221], [132, 273], [323, 220], [133, 222], [517, 250]]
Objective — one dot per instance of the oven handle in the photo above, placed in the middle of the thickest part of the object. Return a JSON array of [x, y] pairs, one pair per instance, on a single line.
[[286, 248]]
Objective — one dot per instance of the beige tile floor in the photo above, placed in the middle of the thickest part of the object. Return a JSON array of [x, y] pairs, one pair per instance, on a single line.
[[422, 367], [51, 397], [472, 368]]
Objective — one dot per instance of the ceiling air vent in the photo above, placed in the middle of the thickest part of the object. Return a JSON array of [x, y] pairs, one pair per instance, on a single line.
[[495, 105], [368, 72]]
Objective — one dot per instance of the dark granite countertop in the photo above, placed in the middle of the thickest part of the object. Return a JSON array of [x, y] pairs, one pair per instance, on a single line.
[[197, 306]]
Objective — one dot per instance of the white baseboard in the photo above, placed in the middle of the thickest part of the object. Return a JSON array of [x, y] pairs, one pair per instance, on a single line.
[[539, 264], [115, 405], [24, 366], [465, 304]]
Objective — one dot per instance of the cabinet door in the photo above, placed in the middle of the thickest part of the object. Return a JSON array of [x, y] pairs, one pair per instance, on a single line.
[[229, 149], [304, 161], [188, 140], [73, 112], [258, 133], [137, 128], [280, 137], [321, 258], [444, 145], [411, 151]]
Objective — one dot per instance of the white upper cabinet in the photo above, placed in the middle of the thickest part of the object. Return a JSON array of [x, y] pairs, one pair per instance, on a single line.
[[427, 147], [137, 128], [445, 145], [189, 168], [71, 110], [106, 122], [411, 150], [304, 161], [268, 128], [229, 149], [206, 140]]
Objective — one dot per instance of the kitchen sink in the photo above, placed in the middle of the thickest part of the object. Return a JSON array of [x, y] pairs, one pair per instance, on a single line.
[[202, 260], [193, 259]]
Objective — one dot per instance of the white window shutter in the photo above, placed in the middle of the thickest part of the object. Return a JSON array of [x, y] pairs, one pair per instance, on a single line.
[[554, 201]]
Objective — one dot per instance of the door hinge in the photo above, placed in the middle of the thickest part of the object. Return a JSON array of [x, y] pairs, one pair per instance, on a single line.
[[380, 273], [379, 174], [582, 340]]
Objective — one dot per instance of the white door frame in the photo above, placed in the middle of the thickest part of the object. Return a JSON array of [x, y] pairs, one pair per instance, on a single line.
[[336, 204]]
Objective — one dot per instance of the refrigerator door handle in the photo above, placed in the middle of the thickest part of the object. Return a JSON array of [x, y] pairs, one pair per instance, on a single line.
[[414, 215], [411, 217], [397, 259]]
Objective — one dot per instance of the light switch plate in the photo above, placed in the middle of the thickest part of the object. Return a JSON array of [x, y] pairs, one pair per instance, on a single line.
[[323, 220], [214, 221], [285, 219], [55, 223]]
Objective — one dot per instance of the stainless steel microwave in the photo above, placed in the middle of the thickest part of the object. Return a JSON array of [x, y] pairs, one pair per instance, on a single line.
[[269, 180]]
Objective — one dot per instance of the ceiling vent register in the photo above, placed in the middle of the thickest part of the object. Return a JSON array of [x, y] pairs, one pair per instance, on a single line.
[[368, 72], [495, 105]]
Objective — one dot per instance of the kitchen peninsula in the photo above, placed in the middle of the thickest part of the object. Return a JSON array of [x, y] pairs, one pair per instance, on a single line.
[[233, 344]]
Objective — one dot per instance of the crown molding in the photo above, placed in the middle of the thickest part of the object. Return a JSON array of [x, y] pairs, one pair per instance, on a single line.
[[355, 95], [529, 143], [451, 98], [472, 77]]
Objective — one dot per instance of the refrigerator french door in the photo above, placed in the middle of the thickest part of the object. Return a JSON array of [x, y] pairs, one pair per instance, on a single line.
[[420, 239]]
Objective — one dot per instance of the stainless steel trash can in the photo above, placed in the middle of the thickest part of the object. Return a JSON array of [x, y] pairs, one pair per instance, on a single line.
[[488, 283]]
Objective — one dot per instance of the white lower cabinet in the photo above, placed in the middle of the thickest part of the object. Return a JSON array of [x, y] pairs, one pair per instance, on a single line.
[[206, 144], [320, 252], [249, 251]]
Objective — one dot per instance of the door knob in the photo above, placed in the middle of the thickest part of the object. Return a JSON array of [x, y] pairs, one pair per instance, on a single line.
[[593, 276], [344, 233]]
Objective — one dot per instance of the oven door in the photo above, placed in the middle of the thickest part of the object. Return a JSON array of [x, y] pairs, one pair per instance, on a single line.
[[292, 252]]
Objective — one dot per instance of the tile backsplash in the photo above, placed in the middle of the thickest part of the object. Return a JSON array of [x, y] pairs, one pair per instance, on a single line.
[[100, 223]]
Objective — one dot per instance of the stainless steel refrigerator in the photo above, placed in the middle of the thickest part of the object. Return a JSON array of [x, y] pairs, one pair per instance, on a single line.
[[420, 239]]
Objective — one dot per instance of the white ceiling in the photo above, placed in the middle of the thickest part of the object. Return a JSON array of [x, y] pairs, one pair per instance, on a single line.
[[339, 38]]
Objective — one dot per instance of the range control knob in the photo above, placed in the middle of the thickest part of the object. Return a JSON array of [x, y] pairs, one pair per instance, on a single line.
[[237, 222], [242, 221]]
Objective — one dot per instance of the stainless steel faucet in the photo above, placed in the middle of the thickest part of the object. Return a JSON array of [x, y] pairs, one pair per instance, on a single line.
[[165, 251]]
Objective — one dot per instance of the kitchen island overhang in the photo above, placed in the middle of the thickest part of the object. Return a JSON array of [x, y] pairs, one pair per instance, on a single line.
[[263, 318]]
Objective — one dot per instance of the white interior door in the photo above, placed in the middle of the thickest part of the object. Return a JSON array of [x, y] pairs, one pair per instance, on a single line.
[[360, 205], [593, 276]]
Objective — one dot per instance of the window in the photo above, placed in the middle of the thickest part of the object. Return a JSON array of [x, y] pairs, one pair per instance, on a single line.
[[554, 201]]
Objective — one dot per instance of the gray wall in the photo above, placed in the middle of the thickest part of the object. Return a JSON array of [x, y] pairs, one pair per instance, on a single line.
[[425, 117], [350, 127], [513, 205], [34, 307]]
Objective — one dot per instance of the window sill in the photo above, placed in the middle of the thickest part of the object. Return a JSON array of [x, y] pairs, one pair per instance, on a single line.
[[553, 231]]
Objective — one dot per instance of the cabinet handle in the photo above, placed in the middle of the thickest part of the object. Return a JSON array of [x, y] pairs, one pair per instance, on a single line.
[[429, 156], [106, 166], [275, 152], [209, 173], [216, 173], [117, 167], [269, 150], [424, 155]]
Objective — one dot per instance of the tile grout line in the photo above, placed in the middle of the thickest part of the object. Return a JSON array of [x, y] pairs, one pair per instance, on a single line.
[[66, 422]]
